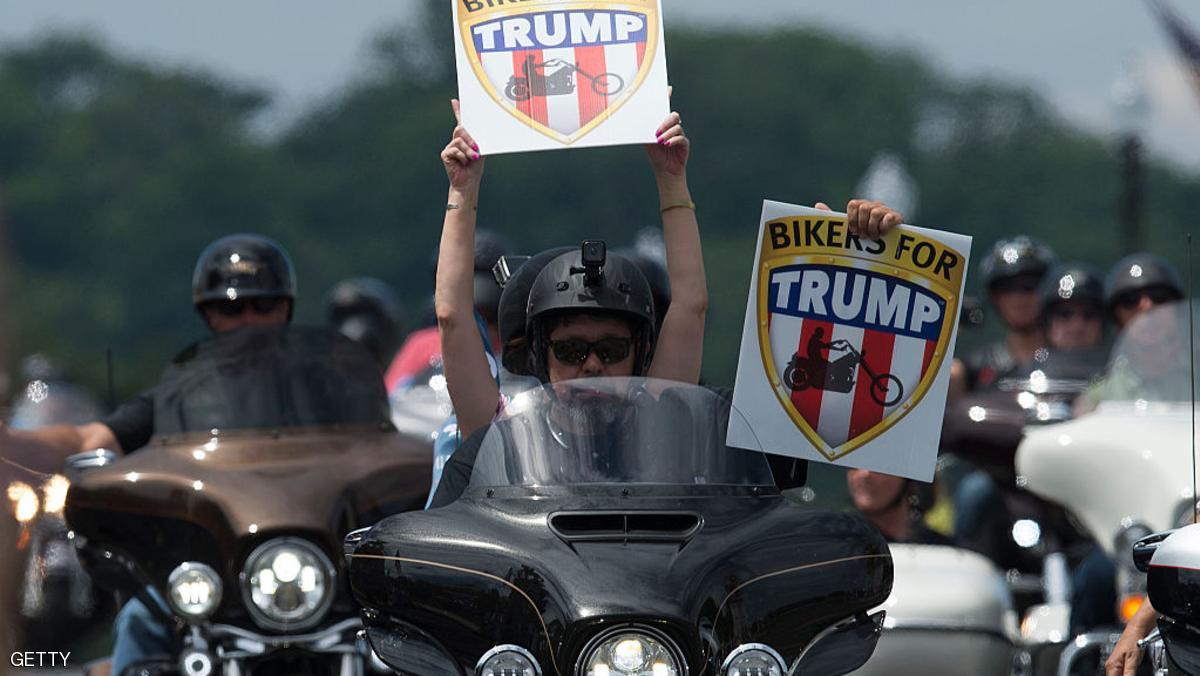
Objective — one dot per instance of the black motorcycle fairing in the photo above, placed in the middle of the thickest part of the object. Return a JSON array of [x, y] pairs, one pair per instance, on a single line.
[[481, 573]]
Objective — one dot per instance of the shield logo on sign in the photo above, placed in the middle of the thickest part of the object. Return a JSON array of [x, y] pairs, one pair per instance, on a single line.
[[850, 344], [562, 71]]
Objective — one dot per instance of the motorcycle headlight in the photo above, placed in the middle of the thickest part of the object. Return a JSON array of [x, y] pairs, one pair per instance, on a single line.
[[507, 660], [631, 653], [194, 590], [287, 584], [753, 659]]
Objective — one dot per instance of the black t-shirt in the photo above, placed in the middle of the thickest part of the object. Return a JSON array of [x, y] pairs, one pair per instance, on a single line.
[[133, 421]]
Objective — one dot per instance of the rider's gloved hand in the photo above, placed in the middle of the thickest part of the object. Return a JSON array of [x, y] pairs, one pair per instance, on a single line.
[[868, 219]]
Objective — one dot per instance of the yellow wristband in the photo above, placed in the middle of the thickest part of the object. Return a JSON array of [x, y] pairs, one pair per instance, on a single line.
[[685, 204]]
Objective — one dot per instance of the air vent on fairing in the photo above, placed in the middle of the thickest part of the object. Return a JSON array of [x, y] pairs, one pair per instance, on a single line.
[[625, 526]]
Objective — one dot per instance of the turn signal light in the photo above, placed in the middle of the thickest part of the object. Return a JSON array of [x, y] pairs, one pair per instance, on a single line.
[[1130, 604]]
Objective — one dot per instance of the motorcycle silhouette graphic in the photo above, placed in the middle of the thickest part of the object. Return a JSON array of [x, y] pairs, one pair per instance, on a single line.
[[561, 82], [803, 372]]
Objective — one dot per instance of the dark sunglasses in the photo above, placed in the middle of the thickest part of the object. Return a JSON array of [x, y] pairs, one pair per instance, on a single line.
[[233, 308], [575, 351], [1157, 295], [1064, 312], [1018, 284]]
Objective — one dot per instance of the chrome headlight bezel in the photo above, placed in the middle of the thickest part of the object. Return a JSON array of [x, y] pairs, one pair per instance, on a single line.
[[758, 647], [507, 648], [190, 572], [251, 569], [626, 631]]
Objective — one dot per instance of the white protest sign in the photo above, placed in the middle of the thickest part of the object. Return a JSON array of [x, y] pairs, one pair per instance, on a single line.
[[547, 74], [847, 343]]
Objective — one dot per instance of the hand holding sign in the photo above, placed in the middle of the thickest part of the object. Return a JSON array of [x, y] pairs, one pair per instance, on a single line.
[[669, 155], [868, 219], [461, 158]]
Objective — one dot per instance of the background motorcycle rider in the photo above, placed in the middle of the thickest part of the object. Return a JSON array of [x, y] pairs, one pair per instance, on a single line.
[[422, 349], [239, 281], [1139, 282], [893, 505], [1135, 286], [366, 310], [1011, 271], [1072, 303], [1072, 318]]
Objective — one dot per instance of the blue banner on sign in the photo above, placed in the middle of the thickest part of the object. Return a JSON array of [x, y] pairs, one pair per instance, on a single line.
[[562, 29], [855, 297]]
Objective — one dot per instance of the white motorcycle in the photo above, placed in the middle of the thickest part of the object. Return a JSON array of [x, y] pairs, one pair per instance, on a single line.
[[950, 614], [1125, 469]]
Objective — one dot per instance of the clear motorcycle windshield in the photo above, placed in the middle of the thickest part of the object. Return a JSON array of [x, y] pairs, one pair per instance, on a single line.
[[270, 378], [615, 431], [1150, 361]]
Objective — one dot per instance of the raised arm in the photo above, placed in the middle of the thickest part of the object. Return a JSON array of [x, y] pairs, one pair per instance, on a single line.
[[680, 344], [473, 391]]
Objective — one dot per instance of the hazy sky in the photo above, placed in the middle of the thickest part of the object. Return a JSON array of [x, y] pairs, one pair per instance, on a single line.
[[1069, 50]]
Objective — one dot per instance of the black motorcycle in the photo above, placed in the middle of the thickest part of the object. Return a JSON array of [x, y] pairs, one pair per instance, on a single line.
[[838, 376], [607, 530], [560, 82]]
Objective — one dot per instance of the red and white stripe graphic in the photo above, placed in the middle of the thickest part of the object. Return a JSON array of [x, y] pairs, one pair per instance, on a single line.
[[839, 417], [567, 113]]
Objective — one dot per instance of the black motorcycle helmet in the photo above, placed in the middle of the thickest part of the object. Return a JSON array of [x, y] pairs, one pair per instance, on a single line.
[[1020, 255], [655, 271], [1141, 273], [366, 310], [514, 302], [489, 247], [243, 266], [588, 280], [1076, 281]]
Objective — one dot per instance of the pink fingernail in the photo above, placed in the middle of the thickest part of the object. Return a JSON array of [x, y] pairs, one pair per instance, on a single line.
[[475, 146], [475, 156]]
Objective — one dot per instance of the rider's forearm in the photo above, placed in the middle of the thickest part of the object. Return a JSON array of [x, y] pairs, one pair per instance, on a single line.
[[683, 327], [685, 258], [43, 449], [472, 390], [454, 290]]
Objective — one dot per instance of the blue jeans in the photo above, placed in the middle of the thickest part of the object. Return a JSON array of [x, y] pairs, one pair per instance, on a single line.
[[1093, 593], [977, 505], [140, 635]]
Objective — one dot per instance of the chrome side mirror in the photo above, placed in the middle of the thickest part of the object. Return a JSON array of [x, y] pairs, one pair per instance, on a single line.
[[76, 466]]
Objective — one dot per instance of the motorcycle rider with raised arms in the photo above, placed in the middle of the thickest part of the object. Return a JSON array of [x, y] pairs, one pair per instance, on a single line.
[[610, 336]]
